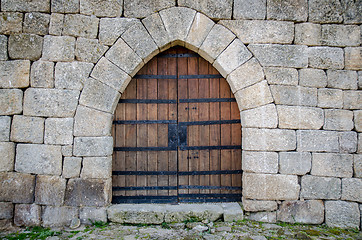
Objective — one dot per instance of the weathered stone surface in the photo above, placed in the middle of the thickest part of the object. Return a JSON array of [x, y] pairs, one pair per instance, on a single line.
[[16, 187], [6, 210], [7, 153], [275, 187], [357, 121], [142, 213], [347, 142], [249, 9], [332, 165], [310, 77], [80, 26], [326, 57], [111, 28], [25, 6], [342, 214], [357, 165], [297, 117], [352, 11], [330, 98], [342, 79], [71, 167], [287, 10], [87, 215], [3, 47], [351, 189], [36, 23], [254, 96], [338, 119], [42, 74], [5, 128], [25, 46], [89, 50], [341, 35], [156, 29], [93, 146], [67, 150], [38, 159], [89, 122], [199, 30], [257, 206], [275, 55], [88, 192], [56, 24], [27, 129], [317, 141], [142, 8], [232, 212], [269, 217], [308, 34], [65, 6], [260, 162], [58, 216], [353, 58], [11, 22], [14, 74], [49, 190], [325, 11], [50, 102], [260, 117], [352, 99], [97, 167], [360, 143], [72, 75], [11, 101], [320, 187], [306, 212], [58, 48], [296, 163], [215, 9], [58, 131], [294, 95], [359, 79], [282, 76], [110, 8], [27, 215]]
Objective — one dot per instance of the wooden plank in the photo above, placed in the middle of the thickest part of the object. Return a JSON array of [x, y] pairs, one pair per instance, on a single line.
[[236, 140]]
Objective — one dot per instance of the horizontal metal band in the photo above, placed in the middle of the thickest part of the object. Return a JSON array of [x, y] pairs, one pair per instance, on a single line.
[[144, 188], [134, 149], [139, 173], [216, 172], [205, 76], [200, 76], [148, 197], [191, 200], [161, 173], [116, 200], [185, 148], [177, 55], [210, 122], [201, 100], [210, 195], [146, 122], [208, 187], [145, 76], [167, 101]]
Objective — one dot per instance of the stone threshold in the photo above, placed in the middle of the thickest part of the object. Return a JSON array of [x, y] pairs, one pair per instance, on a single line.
[[159, 213]]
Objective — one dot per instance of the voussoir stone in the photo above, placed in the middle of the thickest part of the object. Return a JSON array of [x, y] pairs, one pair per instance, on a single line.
[[16, 187], [157, 30], [42, 74], [25, 46], [298, 117], [89, 50], [310, 77], [308, 34], [257, 205], [295, 163], [325, 11], [49, 190], [282, 76], [260, 162], [36, 23], [6, 210], [97, 167], [65, 6], [260, 117], [317, 141], [110, 8], [5, 122], [330, 98], [14, 74], [332, 165], [313, 187], [306, 212], [351, 189], [72, 75], [294, 10], [254, 96], [25, 6], [342, 214], [200, 28], [11, 22], [214, 9], [294, 95], [27, 129], [353, 58], [11, 101], [7, 152], [58, 48], [93, 146], [249, 9], [326, 57], [53, 216], [143, 8], [111, 28], [58, 131], [71, 167], [27, 215]]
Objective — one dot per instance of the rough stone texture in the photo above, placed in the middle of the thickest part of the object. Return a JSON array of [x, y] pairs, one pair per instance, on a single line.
[[309, 77], [347, 142], [71, 167], [317, 141], [261, 117], [141, 213], [41, 74], [351, 189], [93, 146], [359, 143], [16, 187], [50, 102], [80, 26], [58, 216], [357, 165], [352, 99], [5, 122], [325, 11], [287, 10], [49, 190], [320, 187], [11, 101], [25, 6], [58, 48], [338, 119], [25, 46], [111, 28], [110, 8], [282, 76], [341, 35], [72, 75], [199, 30], [89, 50], [332, 165], [275, 187], [156, 29], [342, 79], [38, 159], [58, 131], [7, 153], [357, 121], [67, 150], [260, 162], [352, 11], [249, 9], [306, 212], [275, 55], [3, 48], [308, 34], [294, 95], [97, 167], [142, 8], [90, 122], [297, 117], [88, 192], [298, 163], [353, 58], [27, 215], [330, 98], [270, 217], [14, 74], [342, 214], [232, 212], [6, 210], [27, 129], [258, 206], [254, 96], [88, 214], [11, 22], [36, 23], [65, 6], [325, 57], [214, 9], [56, 24]]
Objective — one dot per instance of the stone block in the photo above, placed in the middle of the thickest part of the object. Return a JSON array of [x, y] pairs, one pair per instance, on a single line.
[[56, 24], [332, 165], [49, 190], [313, 187], [89, 122], [260, 117], [359, 143], [295, 163], [67, 150], [36, 23], [317, 141], [88, 192], [89, 50], [275, 55], [270, 186], [294, 95], [25, 46], [58, 131], [292, 10], [11, 22], [347, 142], [158, 32], [357, 165], [353, 58], [297, 117], [96, 167], [50, 102], [268, 217], [5, 128], [58, 48], [80, 26], [6, 210], [27, 215], [325, 57], [3, 47], [352, 100], [111, 28], [357, 121], [7, 153], [359, 79], [232, 212], [38, 159], [42, 74], [200, 28], [246, 75], [72, 75], [232, 57], [25, 6], [308, 34], [249, 9], [110, 8], [143, 8], [260, 162], [58, 216], [342, 79], [71, 167], [11, 101], [14, 74], [351, 189], [337, 119], [258, 206], [142, 213], [352, 11], [330, 98], [65, 6], [93, 146], [306, 212], [254, 96], [87, 215], [341, 35], [310, 77], [325, 11], [16, 187], [27, 129], [215, 9], [342, 214], [281, 76]]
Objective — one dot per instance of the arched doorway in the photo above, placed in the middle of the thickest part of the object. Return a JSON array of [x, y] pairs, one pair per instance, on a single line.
[[177, 134]]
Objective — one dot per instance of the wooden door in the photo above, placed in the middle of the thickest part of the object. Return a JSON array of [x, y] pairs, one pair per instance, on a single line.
[[177, 134]]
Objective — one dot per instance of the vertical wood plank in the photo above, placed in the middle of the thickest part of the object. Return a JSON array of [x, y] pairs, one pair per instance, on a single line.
[[236, 140]]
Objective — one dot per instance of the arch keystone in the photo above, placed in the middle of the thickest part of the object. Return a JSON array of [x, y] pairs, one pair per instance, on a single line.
[[200, 28]]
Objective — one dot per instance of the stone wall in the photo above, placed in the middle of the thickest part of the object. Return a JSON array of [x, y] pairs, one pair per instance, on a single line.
[[295, 67]]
